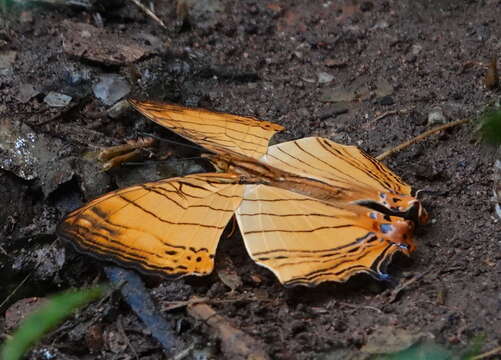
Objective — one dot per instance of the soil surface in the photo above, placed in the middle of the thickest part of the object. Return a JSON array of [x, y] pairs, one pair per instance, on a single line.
[[368, 73]]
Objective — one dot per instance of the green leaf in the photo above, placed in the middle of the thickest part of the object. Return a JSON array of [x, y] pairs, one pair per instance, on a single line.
[[36, 325], [490, 126], [423, 351]]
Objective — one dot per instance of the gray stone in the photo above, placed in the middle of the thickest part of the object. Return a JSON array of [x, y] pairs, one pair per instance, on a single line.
[[111, 88], [54, 99]]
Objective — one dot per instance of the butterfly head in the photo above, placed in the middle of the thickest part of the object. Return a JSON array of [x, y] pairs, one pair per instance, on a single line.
[[405, 206], [417, 213]]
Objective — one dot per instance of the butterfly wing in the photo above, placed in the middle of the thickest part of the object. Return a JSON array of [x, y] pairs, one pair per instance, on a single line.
[[170, 227], [359, 176], [212, 130], [305, 241], [334, 164]]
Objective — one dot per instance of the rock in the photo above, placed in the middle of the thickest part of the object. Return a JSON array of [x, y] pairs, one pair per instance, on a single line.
[[357, 90], [436, 116], [333, 110], [99, 45], [324, 78], [30, 155], [416, 49], [74, 76], [117, 110], [26, 93], [330, 62], [381, 24], [7, 58], [111, 88], [383, 88], [54, 99]]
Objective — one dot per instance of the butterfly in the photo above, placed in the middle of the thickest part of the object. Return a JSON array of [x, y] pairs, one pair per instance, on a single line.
[[309, 210]]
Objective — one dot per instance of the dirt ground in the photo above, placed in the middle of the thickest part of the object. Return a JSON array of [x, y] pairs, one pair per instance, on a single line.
[[369, 73]]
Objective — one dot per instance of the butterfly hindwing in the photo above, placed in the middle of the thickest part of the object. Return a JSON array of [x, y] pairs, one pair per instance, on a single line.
[[170, 226], [306, 241]]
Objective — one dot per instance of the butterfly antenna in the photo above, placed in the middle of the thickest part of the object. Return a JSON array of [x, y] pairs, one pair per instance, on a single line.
[[150, 162], [156, 137], [419, 193]]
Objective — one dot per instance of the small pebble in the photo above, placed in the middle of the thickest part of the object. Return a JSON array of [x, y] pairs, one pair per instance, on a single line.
[[54, 99], [26, 92], [324, 78], [436, 116], [7, 59], [111, 88], [118, 109]]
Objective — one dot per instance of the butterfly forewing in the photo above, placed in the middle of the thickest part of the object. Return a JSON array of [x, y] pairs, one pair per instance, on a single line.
[[335, 164], [212, 130], [170, 226], [359, 177], [307, 241]]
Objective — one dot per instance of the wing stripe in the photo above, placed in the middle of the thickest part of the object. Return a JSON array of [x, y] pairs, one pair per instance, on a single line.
[[363, 166], [348, 176], [295, 230], [337, 180], [350, 160], [158, 217], [285, 215], [370, 237]]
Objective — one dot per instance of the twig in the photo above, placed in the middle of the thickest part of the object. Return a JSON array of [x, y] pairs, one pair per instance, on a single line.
[[172, 305], [494, 351], [71, 107], [149, 13], [235, 344], [184, 353], [121, 329], [136, 295], [396, 292], [420, 138], [385, 114], [353, 306], [15, 290]]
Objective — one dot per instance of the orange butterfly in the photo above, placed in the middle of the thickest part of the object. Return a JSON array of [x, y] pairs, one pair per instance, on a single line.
[[310, 210]]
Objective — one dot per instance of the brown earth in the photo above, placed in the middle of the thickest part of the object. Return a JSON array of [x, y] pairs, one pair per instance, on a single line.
[[266, 59]]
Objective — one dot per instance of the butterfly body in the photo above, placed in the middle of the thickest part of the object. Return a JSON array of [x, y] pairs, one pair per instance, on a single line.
[[310, 210]]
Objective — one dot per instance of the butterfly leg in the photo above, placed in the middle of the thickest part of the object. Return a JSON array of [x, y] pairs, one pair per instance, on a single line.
[[114, 156]]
